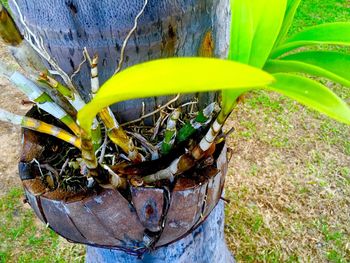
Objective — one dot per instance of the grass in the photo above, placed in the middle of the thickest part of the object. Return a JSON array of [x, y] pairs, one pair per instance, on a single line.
[[289, 182], [24, 239], [288, 185], [4, 2]]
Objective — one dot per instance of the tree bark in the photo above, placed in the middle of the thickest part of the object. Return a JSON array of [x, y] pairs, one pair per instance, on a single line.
[[166, 29], [205, 244]]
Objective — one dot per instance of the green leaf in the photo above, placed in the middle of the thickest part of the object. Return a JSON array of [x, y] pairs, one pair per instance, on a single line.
[[280, 66], [229, 99], [242, 31], [242, 34], [331, 33], [332, 65], [292, 7], [268, 19], [312, 94], [172, 76], [250, 43]]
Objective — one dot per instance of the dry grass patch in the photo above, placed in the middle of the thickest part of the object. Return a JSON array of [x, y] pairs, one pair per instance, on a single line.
[[289, 184]]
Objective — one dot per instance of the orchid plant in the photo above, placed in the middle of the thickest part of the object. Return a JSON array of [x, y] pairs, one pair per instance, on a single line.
[[261, 57]]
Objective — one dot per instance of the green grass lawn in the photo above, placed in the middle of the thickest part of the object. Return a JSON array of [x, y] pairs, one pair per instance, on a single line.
[[289, 182]]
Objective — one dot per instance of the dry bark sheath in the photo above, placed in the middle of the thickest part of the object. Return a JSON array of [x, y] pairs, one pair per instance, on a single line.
[[62, 94], [115, 132], [39, 126], [44, 77], [74, 99], [170, 132], [37, 95], [187, 161]]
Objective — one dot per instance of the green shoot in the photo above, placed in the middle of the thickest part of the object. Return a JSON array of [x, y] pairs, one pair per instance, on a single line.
[[39, 126]]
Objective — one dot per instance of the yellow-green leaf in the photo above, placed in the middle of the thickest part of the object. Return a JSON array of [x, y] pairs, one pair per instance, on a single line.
[[242, 30], [249, 42], [268, 20], [292, 66], [331, 33], [172, 76], [335, 63], [292, 7], [312, 94]]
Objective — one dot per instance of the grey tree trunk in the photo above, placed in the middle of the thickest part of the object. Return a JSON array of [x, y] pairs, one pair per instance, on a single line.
[[167, 28]]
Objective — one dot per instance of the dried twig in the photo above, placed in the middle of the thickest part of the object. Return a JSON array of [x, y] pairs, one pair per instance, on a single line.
[[149, 147], [50, 169], [167, 115], [153, 112], [189, 104], [224, 136], [79, 67], [103, 149], [39, 166], [64, 166], [157, 127]]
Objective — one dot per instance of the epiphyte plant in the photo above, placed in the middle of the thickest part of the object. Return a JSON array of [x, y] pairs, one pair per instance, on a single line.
[[261, 57], [258, 38]]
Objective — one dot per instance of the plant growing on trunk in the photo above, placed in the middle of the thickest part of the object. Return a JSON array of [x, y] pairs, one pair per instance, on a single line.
[[258, 39]]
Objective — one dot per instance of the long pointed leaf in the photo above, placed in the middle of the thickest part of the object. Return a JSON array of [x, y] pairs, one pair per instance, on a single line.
[[331, 33], [334, 62], [241, 30], [292, 7], [249, 42], [172, 76], [242, 34], [268, 25], [312, 94], [280, 66]]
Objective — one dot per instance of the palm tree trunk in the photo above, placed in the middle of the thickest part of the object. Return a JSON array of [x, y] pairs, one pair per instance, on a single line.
[[166, 28]]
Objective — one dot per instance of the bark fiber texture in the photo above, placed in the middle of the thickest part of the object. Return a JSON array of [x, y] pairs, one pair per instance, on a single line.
[[206, 244]]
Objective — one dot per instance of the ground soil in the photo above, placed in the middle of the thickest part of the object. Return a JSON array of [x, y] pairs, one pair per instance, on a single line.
[[10, 138]]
